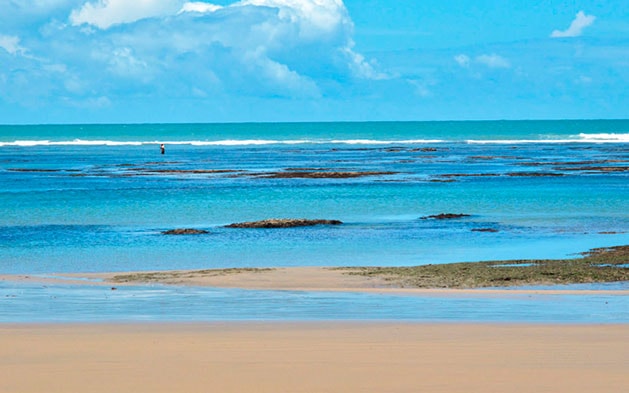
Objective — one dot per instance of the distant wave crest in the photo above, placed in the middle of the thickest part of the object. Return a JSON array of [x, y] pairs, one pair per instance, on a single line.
[[225, 142], [605, 137], [580, 138], [76, 142]]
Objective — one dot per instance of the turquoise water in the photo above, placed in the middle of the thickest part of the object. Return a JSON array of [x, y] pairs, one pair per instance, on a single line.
[[322, 132], [96, 198]]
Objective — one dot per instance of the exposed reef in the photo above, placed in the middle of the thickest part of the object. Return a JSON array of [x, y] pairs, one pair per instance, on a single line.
[[597, 169], [320, 174], [185, 231], [534, 174], [449, 175], [182, 171], [427, 149], [283, 223], [598, 265], [577, 163], [36, 170], [445, 216]]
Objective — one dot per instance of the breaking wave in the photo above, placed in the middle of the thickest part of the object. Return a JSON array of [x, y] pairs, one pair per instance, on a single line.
[[580, 138], [225, 142]]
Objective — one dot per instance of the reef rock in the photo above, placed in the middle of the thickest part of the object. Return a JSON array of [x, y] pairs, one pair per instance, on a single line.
[[445, 216], [283, 223], [185, 231], [321, 174]]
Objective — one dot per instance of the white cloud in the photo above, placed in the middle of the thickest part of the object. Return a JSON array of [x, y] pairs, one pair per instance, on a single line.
[[493, 61], [187, 49], [462, 60], [11, 44], [580, 22], [314, 17], [197, 6], [105, 13], [123, 62], [280, 79], [360, 66]]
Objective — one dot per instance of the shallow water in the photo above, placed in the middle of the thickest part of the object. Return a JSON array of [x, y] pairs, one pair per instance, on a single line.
[[96, 199], [21, 302], [102, 208]]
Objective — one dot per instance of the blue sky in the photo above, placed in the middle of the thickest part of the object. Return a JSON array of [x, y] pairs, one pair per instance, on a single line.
[[118, 61]]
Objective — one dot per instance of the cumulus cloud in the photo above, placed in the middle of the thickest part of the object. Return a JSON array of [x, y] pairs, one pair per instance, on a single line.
[[493, 61], [314, 17], [580, 22], [89, 49], [197, 6], [105, 13]]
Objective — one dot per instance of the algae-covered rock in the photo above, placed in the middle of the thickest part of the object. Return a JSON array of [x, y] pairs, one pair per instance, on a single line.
[[445, 216], [185, 231], [283, 223]]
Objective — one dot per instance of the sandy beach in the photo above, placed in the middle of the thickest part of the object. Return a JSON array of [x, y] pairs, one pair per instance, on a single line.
[[314, 357], [289, 279], [364, 356], [294, 278]]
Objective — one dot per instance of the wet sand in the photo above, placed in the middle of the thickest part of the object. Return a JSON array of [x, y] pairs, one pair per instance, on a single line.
[[314, 357], [292, 279]]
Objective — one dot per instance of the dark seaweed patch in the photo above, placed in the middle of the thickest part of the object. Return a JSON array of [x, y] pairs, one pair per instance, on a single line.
[[596, 266]]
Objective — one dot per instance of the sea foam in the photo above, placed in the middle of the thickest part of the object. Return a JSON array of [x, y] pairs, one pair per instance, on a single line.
[[225, 142], [602, 138], [580, 138]]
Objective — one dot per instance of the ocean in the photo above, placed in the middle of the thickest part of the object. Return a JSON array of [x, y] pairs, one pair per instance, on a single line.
[[96, 198]]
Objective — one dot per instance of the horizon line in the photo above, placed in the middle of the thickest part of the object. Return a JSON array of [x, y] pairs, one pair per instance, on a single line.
[[311, 122]]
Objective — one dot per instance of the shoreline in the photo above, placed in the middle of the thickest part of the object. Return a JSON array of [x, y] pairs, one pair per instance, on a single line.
[[597, 266], [308, 279], [314, 356]]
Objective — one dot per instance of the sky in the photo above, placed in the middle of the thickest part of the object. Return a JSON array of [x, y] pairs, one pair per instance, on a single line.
[[158, 61]]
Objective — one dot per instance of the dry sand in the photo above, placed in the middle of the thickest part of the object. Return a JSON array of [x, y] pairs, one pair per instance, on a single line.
[[314, 357]]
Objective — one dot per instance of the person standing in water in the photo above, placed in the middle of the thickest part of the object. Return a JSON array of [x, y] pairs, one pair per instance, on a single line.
[[162, 148]]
